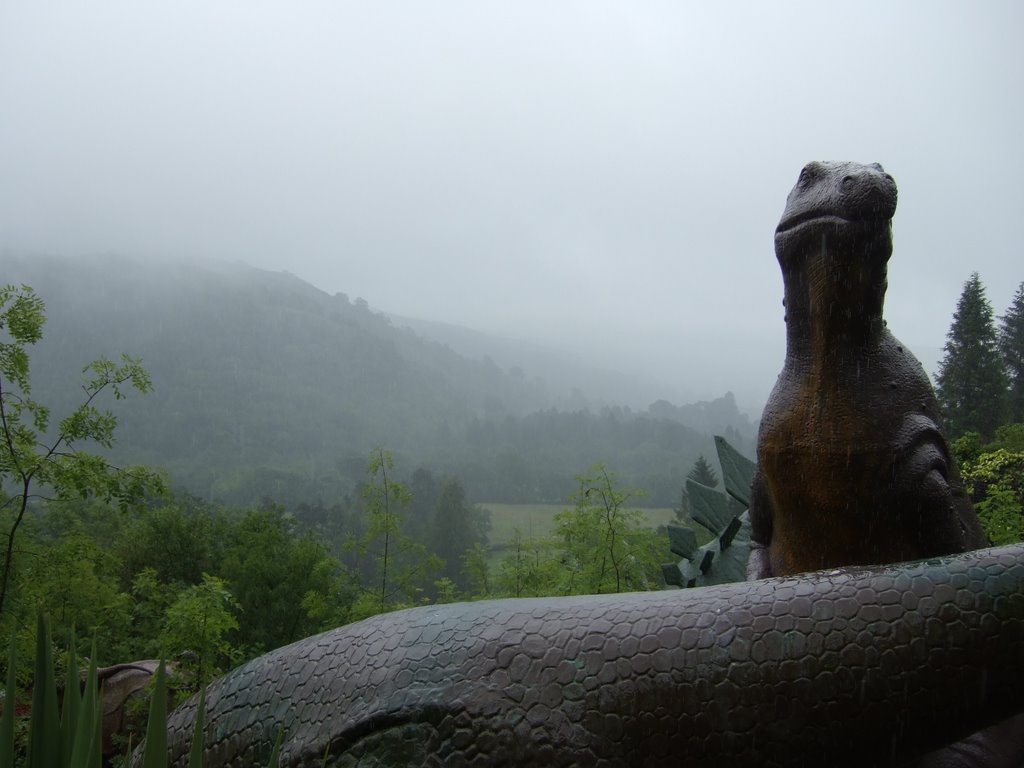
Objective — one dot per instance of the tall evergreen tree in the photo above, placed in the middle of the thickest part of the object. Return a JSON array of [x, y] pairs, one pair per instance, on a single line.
[[1011, 345], [971, 380], [703, 473], [458, 526], [700, 473]]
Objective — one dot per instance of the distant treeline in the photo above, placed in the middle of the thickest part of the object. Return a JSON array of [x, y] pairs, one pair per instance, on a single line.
[[265, 388], [519, 460]]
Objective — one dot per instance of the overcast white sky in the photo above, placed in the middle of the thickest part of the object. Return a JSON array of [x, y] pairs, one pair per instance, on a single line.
[[604, 174]]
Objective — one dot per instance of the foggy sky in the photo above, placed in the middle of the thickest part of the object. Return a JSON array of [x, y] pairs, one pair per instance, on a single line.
[[607, 175]]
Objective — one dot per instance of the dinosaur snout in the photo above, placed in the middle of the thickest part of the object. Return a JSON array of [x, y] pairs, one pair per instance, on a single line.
[[868, 190]]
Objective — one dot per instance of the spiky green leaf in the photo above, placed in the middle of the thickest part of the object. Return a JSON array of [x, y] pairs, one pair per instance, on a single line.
[[44, 726], [7, 719], [195, 758], [155, 755], [72, 702], [88, 734]]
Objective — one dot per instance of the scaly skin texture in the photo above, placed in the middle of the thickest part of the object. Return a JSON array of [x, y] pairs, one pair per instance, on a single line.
[[853, 467], [852, 667]]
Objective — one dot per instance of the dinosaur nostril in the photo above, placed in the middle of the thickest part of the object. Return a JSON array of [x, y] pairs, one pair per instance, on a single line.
[[847, 182]]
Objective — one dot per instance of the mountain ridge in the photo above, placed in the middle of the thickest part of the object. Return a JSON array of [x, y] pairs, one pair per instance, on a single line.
[[265, 385]]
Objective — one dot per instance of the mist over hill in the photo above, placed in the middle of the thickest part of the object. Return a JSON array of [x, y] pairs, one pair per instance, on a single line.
[[572, 381], [267, 387]]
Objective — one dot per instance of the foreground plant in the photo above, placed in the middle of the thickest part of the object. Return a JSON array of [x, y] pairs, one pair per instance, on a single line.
[[36, 459]]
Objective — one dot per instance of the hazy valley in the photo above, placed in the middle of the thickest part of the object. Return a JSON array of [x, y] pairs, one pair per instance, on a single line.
[[266, 387]]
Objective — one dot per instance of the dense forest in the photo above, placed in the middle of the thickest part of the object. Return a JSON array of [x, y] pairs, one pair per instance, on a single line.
[[268, 389]]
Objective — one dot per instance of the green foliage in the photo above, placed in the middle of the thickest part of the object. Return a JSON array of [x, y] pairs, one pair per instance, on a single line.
[[71, 704], [197, 626], [44, 732], [445, 591], [275, 752], [21, 316], [535, 565], [458, 527], [532, 568], [74, 740], [1009, 437], [74, 580], [69, 739], [477, 570], [155, 753], [967, 448], [180, 540], [87, 745], [994, 477], [195, 755], [34, 459], [54, 739], [149, 599], [605, 547], [971, 382], [278, 574], [703, 473], [7, 718], [400, 568], [331, 592], [1011, 346], [1002, 516]]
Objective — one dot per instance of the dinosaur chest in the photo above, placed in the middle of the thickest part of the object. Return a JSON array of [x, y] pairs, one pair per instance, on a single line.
[[824, 455], [827, 456]]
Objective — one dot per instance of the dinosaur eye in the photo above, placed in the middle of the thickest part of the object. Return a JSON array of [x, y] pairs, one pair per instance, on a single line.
[[810, 172]]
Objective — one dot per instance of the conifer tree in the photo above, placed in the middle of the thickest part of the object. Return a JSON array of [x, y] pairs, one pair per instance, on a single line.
[[401, 566], [1011, 345], [457, 527], [971, 382], [703, 473]]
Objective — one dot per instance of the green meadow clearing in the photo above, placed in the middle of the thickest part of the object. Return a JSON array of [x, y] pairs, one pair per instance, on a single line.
[[538, 520], [535, 521]]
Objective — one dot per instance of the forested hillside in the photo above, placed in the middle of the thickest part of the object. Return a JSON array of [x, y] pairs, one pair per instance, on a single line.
[[265, 387]]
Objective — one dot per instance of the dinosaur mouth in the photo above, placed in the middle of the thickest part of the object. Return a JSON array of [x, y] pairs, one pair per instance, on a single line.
[[810, 218]]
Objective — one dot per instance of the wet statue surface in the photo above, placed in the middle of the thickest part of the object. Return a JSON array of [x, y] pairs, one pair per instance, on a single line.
[[853, 467], [851, 666]]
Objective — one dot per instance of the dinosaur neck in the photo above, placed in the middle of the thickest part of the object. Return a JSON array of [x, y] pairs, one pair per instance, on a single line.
[[834, 304]]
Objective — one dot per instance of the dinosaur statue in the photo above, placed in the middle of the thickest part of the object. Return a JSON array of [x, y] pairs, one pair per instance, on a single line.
[[852, 464], [859, 665], [853, 467], [849, 667]]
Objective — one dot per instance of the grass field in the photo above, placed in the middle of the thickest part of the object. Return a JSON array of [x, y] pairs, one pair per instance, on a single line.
[[537, 520]]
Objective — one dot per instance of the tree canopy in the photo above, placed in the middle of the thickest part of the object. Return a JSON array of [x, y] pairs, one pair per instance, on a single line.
[[972, 382], [35, 459], [703, 473], [1011, 345], [993, 474]]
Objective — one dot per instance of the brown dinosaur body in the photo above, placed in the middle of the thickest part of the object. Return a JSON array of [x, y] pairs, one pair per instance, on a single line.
[[853, 467], [844, 668]]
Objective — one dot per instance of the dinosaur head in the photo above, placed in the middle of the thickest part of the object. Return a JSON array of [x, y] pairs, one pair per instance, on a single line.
[[841, 199], [833, 243]]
